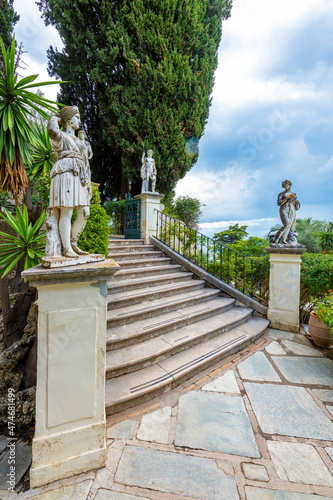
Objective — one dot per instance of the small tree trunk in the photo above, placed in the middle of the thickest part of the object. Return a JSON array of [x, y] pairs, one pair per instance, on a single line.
[[5, 300]]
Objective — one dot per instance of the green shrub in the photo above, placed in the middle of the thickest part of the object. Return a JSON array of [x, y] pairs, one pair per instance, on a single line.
[[317, 273], [116, 210], [95, 237], [316, 280]]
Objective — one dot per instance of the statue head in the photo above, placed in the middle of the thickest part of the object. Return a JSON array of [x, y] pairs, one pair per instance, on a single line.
[[81, 135], [286, 184], [66, 114], [150, 152]]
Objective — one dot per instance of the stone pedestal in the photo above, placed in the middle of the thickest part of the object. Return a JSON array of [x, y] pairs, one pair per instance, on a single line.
[[70, 405], [284, 288], [150, 202]]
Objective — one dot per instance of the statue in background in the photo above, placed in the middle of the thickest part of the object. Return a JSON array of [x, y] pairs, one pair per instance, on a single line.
[[148, 171], [286, 236], [70, 185]]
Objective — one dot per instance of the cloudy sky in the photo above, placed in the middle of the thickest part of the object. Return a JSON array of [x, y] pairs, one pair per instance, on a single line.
[[272, 113]]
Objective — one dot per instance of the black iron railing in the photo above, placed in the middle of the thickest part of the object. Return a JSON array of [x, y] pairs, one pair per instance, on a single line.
[[244, 273]]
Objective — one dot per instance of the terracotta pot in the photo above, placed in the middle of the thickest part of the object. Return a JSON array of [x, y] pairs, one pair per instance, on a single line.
[[320, 332]]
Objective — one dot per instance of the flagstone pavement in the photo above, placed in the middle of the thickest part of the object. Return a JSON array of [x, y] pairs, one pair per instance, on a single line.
[[259, 427]]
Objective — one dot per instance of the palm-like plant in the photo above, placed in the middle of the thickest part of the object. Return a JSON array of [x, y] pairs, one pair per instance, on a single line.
[[16, 132], [42, 156], [28, 245]]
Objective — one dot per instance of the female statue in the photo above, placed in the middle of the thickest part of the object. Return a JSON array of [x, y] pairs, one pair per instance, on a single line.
[[70, 180], [288, 204]]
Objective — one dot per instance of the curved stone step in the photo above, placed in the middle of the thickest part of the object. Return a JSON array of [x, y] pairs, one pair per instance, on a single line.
[[123, 299], [141, 355], [116, 286], [128, 390], [137, 263], [146, 271], [126, 315], [123, 336], [123, 256]]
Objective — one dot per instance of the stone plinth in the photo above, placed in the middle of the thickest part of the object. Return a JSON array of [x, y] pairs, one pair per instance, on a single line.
[[70, 402], [284, 288], [150, 202]]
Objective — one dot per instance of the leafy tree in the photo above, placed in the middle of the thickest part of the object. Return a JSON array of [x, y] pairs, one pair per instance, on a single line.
[[140, 72], [325, 238], [252, 246], [231, 235], [186, 209]]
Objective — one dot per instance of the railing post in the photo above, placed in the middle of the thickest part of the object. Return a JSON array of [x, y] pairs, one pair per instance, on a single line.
[[150, 203], [70, 432], [284, 288]]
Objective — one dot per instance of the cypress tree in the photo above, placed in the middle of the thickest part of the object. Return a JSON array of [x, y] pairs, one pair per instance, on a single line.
[[8, 19], [140, 71]]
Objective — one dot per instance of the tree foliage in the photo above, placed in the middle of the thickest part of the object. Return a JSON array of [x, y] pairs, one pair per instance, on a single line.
[[231, 235], [141, 71], [8, 19], [186, 209]]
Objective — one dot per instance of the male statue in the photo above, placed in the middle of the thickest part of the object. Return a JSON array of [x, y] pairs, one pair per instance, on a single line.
[[148, 171], [70, 183]]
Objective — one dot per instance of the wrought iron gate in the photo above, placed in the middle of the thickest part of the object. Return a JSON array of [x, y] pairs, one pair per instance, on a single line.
[[132, 218]]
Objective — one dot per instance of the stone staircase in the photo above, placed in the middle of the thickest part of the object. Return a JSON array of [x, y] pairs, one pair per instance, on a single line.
[[163, 325]]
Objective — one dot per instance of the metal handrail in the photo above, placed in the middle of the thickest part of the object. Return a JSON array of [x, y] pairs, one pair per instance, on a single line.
[[244, 273]]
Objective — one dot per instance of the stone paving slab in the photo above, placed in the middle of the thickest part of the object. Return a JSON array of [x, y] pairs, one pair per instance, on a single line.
[[123, 430], [224, 383], [301, 349], [174, 473], [253, 493], [299, 463], [215, 422], [103, 494], [275, 348], [288, 411], [78, 491], [329, 451], [155, 426], [324, 394], [282, 335], [330, 409], [257, 367], [306, 371], [255, 472]]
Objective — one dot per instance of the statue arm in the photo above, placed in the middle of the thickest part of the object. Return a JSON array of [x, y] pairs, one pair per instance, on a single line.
[[90, 153], [53, 128], [143, 158]]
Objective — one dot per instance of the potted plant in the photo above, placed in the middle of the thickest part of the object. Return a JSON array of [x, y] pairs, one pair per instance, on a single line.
[[321, 321]]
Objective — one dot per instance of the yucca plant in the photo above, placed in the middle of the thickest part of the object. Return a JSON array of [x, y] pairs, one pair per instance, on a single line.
[[42, 156], [16, 131], [28, 245]]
